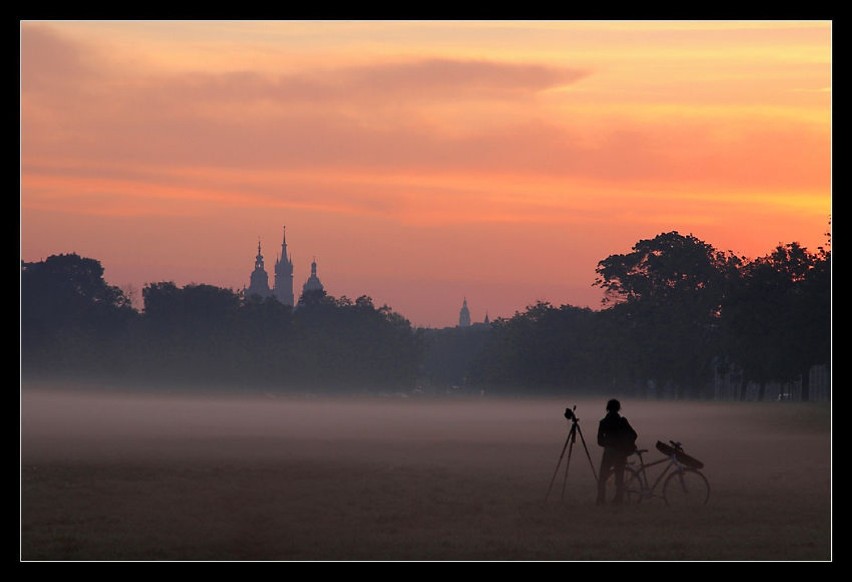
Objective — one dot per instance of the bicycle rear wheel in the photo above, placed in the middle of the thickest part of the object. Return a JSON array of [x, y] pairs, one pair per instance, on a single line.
[[632, 493], [632, 487], [686, 488]]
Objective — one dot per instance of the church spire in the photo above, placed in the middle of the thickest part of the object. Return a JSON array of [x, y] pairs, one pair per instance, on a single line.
[[258, 260], [464, 315], [283, 243], [259, 281], [284, 273]]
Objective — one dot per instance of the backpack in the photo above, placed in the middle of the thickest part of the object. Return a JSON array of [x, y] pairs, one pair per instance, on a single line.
[[625, 439], [620, 436]]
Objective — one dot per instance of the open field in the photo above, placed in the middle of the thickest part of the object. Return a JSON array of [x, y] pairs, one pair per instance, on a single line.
[[261, 478]]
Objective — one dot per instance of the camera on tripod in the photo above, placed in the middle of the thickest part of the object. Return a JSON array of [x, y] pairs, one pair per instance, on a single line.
[[569, 445]]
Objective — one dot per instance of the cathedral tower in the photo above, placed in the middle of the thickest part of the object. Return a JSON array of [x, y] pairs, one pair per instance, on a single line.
[[313, 291], [284, 275], [313, 283], [259, 282], [464, 315]]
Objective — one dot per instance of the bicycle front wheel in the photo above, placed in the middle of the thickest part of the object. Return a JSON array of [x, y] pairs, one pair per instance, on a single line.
[[686, 488]]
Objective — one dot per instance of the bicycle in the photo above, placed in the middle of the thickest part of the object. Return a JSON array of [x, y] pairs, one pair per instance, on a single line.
[[684, 485]]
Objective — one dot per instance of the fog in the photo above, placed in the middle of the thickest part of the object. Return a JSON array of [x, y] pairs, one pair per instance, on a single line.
[[63, 426], [392, 478]]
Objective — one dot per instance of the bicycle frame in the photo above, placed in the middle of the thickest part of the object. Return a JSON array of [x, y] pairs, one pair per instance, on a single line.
[[641, 473]]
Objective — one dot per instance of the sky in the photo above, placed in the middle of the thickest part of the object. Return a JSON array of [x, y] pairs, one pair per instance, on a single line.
[[419, 162]]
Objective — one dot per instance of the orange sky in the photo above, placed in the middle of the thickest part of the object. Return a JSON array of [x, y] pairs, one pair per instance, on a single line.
[[420, 162]]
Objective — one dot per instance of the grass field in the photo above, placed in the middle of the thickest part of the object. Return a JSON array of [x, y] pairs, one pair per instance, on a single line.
[[263, 478]]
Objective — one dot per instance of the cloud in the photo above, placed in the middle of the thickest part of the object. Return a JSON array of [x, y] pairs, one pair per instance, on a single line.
[[387, 118], [763, 155], [78, 101], [49, 61], [448, 78], [414, 81], [50, 57]]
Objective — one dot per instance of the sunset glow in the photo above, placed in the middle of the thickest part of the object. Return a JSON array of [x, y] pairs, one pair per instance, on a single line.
[[419, 162]]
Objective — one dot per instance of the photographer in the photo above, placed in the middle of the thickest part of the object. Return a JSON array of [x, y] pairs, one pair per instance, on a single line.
[[618, 439]]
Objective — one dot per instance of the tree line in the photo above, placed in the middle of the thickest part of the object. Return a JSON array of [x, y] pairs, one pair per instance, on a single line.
[[676, 312], [74, 324]]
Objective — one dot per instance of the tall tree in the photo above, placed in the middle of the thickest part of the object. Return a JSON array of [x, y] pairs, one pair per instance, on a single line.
[[70, 316], [777, 320], [669, 291], [189, 331], [543, 348]]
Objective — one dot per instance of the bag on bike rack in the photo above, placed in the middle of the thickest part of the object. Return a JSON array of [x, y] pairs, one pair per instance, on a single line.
[[681, 457]]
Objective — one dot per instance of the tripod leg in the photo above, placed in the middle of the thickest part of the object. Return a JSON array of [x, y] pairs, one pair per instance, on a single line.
[[572, 436], [591, 464], [556, 471]]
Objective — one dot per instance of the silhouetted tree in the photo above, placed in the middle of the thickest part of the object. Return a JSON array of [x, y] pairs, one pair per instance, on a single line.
[[675, 309], [777, 320], [314, 297], [338, 342], [671, 288], [190, 332], [815, 314], [264, 340], [71, 319], [544, 348], [451, 356]]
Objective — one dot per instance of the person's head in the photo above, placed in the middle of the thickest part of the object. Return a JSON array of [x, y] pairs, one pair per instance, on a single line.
[[613, 406]]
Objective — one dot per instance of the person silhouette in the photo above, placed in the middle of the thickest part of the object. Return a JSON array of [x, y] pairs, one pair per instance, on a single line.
[[618, 440]]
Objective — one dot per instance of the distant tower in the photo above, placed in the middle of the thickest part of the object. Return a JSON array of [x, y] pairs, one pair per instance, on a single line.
[[313, 284], [259, 283], [464, 315], [486, 321], [284, 275]]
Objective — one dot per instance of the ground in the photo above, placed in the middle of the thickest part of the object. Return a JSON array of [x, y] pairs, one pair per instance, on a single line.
[[120, 477]]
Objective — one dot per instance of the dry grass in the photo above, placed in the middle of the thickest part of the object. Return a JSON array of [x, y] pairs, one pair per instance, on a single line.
[[144, 478]]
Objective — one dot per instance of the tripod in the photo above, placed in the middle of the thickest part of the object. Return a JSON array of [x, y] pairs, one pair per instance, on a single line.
[[572, 438]]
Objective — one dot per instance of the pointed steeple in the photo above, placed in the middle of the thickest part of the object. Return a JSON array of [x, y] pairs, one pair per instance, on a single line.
[[258, 260], [464, 315], [283, 242], [284, 273], [259, 281]]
